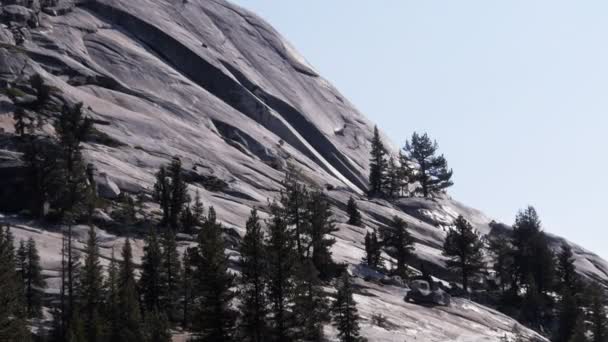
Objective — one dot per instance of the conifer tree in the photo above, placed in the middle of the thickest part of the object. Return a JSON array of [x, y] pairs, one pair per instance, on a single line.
[[294, 199], [188, 286], [344, 312], [321, 225], [179, 192], [151, 280], [399, 241], [71, 325], [13, 325], [72, 128], [501, 252], [20, 118], [568, 317], [92, 290], [44, 174], [311, 308], [463, 247], [373, 249], [533, 258], [112, 307], [129, 314], [252, 293], [43, 91], [214, 319], [198, 210], [580, 331], [282, 256], [432, 174], [377, 165], [392, 181], [162, 193], [354, 216], [568, 287], [597, 314], [171, 267], [568, 280], [156, 327], [405, 174]]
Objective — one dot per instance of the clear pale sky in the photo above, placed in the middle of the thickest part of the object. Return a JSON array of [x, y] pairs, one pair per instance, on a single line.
[[515, 92]]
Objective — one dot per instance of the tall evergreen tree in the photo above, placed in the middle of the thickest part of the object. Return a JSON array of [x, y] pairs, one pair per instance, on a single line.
[[34, 282], [112, 309], [373, 249], [533, 258], [399, 242], [501, 252], [162, 193], [597, 314], [13, 325], [311, 308], [171, 272], [129, 323], [92, 290], [156, 327], [568, 286], [214, 319], [432, 174], [188, 286], [179, 192], [282, 256], [72, 127], [44, 173], [294, 199], [392, 180], [151, 280], [71, 325], [463, 247], [252, 293], [377, 165], [344, 312], [354, 216], [405, 174], [321, 225]]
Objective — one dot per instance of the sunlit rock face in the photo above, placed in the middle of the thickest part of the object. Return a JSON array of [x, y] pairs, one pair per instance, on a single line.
[[216, 86]]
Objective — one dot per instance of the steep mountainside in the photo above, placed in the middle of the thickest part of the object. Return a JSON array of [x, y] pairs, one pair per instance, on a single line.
[[215, 85]]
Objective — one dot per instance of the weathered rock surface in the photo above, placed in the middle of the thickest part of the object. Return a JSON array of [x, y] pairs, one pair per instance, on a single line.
[[215, 85]]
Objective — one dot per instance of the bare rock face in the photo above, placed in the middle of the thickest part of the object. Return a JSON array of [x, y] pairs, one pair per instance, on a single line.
[[216, 86]]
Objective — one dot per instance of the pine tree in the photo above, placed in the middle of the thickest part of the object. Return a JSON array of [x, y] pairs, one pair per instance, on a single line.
[[179, 192], [533, 258], [373, 249], [377, 165], [44, 174], [214, 319], [501, 252], [112, 309], [568, 317], [156, 327], [129, 323], [463, 247], [399, 241], [392, 181], [354, 216], [567, 278], [432, 174], [321, 225], [597, 314], [34, 282], [151, 280], [252, 292], [405, 174], [72, 128], [188, 286], [344, 312], [13, 325], [294, 199], [70, 325], [43, 91], [171, 274], [311, 308], [92, 290], [282, 256], [21, 119], [162, 193], [198, 210], [580, 331]]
